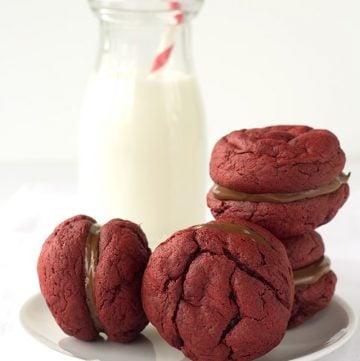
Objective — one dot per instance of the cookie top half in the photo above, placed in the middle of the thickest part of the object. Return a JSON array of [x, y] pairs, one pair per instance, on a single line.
[[276, 159]]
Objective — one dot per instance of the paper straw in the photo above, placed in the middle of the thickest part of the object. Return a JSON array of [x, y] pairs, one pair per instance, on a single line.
[[168, 39]]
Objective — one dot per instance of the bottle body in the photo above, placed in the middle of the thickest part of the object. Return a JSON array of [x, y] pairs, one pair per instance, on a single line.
[[142, 137]]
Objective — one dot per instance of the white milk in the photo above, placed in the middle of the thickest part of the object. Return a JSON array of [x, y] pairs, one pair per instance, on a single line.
[[142, 152]]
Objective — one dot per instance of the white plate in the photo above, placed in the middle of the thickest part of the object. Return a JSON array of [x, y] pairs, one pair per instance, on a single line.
[[324, 333]]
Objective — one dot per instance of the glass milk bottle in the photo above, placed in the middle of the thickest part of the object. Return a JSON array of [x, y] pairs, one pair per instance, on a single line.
[[142, 143]]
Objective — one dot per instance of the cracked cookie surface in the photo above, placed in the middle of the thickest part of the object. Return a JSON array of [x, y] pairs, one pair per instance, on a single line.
[[276, 159], [62, 280], [218, 294], [124, 253]]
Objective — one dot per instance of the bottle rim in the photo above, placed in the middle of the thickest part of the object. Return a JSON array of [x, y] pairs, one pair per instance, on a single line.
[[146, 6]]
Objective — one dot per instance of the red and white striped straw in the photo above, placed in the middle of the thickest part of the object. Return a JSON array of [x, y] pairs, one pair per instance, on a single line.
[[168, 40]]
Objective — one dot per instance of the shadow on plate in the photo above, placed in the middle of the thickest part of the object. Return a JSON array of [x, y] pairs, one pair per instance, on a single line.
[[139, 350]]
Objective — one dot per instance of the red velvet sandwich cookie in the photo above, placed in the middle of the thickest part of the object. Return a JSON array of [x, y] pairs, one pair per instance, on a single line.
[[220, 291], [314, 281], [287, 179], [314, 290], [90, 277]]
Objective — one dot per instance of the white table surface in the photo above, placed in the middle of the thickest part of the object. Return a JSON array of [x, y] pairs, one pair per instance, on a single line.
[[35, 198]]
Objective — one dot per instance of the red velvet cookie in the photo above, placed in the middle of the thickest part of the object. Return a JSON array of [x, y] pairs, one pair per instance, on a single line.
[[305, 249], [90, 277], [220, 291], [276, 159], [283, 219], [312, 296], [314, 281]]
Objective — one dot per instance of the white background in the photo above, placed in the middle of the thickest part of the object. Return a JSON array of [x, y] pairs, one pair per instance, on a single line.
[[259, 62]]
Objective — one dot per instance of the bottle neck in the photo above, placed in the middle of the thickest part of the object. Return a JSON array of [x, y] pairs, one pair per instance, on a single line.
[[133, 46]]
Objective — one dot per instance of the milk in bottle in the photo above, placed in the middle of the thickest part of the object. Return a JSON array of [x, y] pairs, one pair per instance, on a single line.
[[142, 134]]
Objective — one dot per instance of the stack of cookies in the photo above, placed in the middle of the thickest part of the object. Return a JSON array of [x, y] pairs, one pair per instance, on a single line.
[[289, 180], [223, 290]]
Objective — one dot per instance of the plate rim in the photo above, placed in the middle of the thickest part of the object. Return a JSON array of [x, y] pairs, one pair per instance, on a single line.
[[353, 323], [350, 330]]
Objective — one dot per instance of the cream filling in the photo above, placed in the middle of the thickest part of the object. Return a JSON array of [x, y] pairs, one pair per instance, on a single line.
[[90, 263], [311, 274], [226, 194]]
